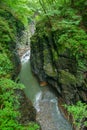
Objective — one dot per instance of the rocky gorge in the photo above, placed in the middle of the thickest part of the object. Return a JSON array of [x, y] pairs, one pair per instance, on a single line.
[[57, 68], [60, 71], [43, 65]]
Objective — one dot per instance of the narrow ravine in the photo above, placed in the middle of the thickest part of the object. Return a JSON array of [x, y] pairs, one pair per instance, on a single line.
[[44, 100]]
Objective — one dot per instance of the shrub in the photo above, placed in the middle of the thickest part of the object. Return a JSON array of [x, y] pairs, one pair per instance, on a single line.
[[79, 113], [6, 66], [9, 104]]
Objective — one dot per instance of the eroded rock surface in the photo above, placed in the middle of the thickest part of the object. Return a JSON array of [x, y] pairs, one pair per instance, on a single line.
[[58, 69]]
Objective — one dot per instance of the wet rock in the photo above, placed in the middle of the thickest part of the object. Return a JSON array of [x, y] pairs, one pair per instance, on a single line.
[[43, 84], [28, 112], [17, 64], [58, 68]]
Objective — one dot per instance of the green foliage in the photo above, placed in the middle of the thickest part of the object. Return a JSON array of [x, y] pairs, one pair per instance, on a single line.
[[18, 9], [75, 40], [9, 104], [69, 35], [14, 15], [79, 113], [6, 66], [6, 33], [81, 4], [33, 126], [50, 7]]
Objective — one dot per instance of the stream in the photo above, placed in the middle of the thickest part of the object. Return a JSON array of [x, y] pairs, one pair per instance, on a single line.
[[43, 98]]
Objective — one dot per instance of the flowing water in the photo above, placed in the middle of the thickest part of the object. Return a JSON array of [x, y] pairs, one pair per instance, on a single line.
[[43, 98]]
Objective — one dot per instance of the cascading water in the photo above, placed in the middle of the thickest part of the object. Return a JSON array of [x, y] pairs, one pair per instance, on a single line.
[[43, 98]]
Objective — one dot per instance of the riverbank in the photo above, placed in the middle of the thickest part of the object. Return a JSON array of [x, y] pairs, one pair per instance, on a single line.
[[44, 100]]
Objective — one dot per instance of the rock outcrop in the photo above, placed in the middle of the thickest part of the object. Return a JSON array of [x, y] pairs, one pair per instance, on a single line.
[[28, 112], [60, 70]]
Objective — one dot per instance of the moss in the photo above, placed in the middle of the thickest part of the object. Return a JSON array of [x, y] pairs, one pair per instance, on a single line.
[[33, 126], [49, 70], [6, 66], [67, 78], [55, 55]]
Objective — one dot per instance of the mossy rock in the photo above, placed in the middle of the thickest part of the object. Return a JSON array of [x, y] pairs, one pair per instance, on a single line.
[[49, 70], [28, 112], [67, 78]]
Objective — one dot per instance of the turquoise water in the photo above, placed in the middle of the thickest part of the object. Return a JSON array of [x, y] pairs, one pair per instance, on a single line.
[[43, 98]]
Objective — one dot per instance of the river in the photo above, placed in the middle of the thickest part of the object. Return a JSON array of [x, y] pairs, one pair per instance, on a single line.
[[43, 98]]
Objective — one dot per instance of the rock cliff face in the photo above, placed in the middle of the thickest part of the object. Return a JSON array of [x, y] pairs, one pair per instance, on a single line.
[[60, 70], [12, 54]]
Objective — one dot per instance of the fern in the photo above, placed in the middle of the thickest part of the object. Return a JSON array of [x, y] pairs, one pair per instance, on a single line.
[[18, 9], [79, 112]]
